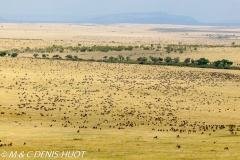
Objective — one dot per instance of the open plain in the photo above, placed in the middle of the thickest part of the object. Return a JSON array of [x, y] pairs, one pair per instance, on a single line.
[[119, 111]]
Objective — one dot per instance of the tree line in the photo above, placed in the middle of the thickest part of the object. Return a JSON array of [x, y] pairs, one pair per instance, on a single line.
[[200, 63], [76, 49], [180, 48]]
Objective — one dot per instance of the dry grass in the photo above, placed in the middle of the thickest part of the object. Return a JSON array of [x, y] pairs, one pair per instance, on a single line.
[[20, 36], [118, 95], [138, 102], [119, 33]]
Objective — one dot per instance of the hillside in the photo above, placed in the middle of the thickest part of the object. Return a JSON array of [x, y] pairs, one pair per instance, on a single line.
[[144, 18], [137, 18]]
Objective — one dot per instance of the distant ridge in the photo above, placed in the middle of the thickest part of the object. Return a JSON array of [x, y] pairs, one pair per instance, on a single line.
[[144, 18], [132, 18], [141, 18]]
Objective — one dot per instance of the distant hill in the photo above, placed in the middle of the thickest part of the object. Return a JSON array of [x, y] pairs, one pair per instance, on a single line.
[[137, 18], [144, 18], [141, 18]]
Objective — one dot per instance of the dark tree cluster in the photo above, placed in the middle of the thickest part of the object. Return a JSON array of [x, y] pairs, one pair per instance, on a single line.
[[4, 53], [201, 62]]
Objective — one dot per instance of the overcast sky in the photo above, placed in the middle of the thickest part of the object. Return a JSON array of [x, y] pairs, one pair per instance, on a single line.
[[202, 10]]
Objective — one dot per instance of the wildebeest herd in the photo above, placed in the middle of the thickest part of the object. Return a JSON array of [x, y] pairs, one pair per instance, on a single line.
[[103, 97]]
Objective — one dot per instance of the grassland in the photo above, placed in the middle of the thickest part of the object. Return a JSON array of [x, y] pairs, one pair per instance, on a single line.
[[118, 111]]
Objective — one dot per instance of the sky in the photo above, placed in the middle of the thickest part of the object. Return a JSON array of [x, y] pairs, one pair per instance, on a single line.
[[203, 10]]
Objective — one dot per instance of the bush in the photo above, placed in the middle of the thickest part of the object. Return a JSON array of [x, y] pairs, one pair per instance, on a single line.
[[176, 60], [14, 54], [69, 57], [35, 55], [3, 53], [146, 48], [202, 61], [83, 49], [187, 60], [168, 59], [56, 56], [129, 48], [142, 60]]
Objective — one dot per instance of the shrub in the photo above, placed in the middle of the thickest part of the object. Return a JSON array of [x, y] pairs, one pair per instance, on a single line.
[[14, 54], [168, 59], [3, 53]]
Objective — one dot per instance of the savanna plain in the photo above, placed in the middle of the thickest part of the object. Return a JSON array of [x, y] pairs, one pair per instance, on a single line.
[[118, 110]]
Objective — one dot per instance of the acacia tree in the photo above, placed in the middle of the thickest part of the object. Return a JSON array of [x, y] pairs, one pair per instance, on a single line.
[[231, 128], [105, 58], [168, 59], [120, 57], [187, 60], [56, 56], [75, 57], [69, 57], [169, 48], [217, 63], [35, 55], [128, 58], [192, 61], [223, 63], [226, 62], [160, 59], [142, 60], [14, 55], [176, 60], [3, 53], [112, 59], [202, 61], [45, 55], [154, 59]]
